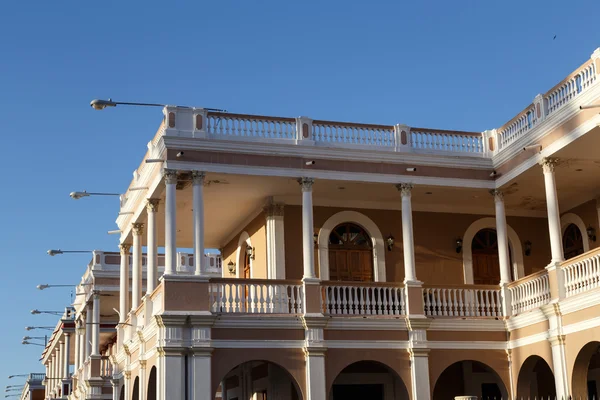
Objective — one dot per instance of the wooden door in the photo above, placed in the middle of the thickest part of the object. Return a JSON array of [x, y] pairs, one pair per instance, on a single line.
[[486, 264], [350, 254], [572, 242]]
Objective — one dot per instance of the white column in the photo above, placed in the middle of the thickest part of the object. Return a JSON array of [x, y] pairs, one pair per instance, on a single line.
[[60, 360], [51, 382], [151, 247], [275, 241], [136, 271], [170, 221], [170, 374], [408, 250], [77, 350], [82, 345], [315, 374], [201, 375], [553, 211], [96, 325], [308, 249], [419, 374], [124, 282], [66, 372], [502, 235], [198, 209], [88, 331], [559, 363]]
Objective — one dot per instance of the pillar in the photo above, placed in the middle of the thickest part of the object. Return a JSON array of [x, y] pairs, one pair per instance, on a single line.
[[81, 334], [170, 374], [198, 210], [559, 364], [419, 374], [275, 241], [201, 374], [96, 325], [60, 360], [556, 248], [151, 247], [502, 235], [408, 250], [308, 247], [67, 355], [315, 374], [170, 221], [124, 282], [136, 270], [76, 348], [88, 332]]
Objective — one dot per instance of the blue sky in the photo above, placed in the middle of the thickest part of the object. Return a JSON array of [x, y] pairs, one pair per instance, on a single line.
[[465, 65]]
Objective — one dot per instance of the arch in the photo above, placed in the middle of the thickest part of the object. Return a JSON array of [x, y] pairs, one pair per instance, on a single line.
[[151, 391], [368, 379], [260, 379], [135, 394], [536, 379], [469, 378], [364, 222], [584, 383], [513, 242], [570, 218], [240, 254]]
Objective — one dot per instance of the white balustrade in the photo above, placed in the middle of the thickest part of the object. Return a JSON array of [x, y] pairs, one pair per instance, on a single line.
[[446, 141], [462, 302], [106, 367], [574, 85], [582, 273], [250, 126], [255, 297], [529, 293], [517, 127], [354, 134], [353, 299]]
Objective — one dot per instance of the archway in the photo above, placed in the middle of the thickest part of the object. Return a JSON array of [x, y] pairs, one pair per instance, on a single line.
[[368, 380], [135, 394], [350, 254], [569, 219], [536, 379], [365, 223], [514, 247], [572, 240], [586, 372], [151, 393], [469, 378], [259, 380], [243, 260]]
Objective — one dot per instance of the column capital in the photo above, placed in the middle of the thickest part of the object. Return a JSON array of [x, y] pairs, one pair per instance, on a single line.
[[273, 210], [405, 188], [497, 194], [152, 205], [170, 176], [306, 184], [124, 248], [548, 164], [198, 177], [138, 228]]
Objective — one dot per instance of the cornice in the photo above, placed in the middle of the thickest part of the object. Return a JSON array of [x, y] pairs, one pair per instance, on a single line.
[[480, 325]]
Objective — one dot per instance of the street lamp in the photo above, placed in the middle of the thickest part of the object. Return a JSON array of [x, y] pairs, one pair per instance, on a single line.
[[30, 328], [46, 286], [36, 312], [59, 251], [79, 195], [33, 344], [17, 375], [98, 104], [14, 386]]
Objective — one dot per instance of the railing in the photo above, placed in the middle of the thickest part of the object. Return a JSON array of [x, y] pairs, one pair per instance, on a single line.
[[357, 134], [463, 301], [582, 273], [36, 377], [517, 127], [255, 296], [571, 86], [186, 263], [530, 292], [106, 367], [446, 141], [362, 299], [250, 126]]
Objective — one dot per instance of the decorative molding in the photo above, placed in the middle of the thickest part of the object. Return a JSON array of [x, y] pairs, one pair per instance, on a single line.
[[527, 340], [467, 325], [257, 344], [124, 248], [138, 228], [580, 301], [273, 210], [581, 326], [525, 319], [357, 324], [198, 177], [548, 164], [170, 176], [405, 189], [306, 184], [152, 205]]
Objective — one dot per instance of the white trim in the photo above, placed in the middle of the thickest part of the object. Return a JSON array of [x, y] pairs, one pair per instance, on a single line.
[[362, 323], [513, 241], [580, 301], [527, 340], [467, 325], [257, 344], [368, 225], [467, 345], [367, 344], [527, 318], [571, 218], [581, 326], [243, 238], [258, 322]]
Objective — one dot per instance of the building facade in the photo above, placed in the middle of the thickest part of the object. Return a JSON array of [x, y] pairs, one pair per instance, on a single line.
[[356, 261]]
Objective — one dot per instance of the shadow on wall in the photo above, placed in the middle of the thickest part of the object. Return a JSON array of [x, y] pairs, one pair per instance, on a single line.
[[469, 378]]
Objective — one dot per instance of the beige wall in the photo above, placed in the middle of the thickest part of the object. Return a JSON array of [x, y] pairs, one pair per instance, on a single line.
[[435, 236], [256, 229]]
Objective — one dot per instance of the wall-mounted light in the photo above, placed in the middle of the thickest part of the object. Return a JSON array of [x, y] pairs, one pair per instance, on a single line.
[[316, 238], [250, 252], [389, 241], [459, 244], [527, 246], [231, 267], [591, 232]]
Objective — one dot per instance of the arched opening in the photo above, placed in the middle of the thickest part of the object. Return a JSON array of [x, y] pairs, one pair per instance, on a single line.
[[469, 378], [258, 380], [135, 394], [368, 380], [536, 379], [243, 256], [486, 264], [572, 241], [586, 372], [152, 385], [350, 254]]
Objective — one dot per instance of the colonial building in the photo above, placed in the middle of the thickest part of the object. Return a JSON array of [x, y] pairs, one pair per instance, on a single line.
[[356, 261]]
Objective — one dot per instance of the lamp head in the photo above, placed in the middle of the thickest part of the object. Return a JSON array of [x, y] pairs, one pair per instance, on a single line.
[[54, 252], [43, 286], [34, 312], [78, 195], [98, 104]]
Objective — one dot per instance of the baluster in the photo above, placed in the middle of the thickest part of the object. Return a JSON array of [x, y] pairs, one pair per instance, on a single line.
[[357, 299], [444, 303], [346, 307], [459, 303], [233, 306], [336, 299], [434, 298], [383, 302]]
